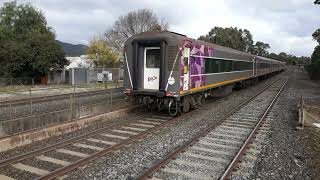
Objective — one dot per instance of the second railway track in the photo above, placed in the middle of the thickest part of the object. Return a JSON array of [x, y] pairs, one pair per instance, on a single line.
[[70, 154], [214, 152]]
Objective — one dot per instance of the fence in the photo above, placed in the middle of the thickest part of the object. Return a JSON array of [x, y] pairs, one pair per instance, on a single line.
[[35, 112], [16, 81], [85, 75], [9, 93], [309, 111]]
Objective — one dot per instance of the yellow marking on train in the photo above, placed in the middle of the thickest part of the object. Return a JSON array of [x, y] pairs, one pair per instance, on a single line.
[[213, 85]]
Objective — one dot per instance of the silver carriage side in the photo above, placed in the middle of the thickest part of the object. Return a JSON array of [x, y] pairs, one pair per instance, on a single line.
[[170, 70]]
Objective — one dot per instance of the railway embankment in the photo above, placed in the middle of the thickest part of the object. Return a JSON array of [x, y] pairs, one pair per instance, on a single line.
[[27, 114]]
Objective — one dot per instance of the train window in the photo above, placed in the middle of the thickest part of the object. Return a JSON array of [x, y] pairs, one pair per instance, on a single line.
[[153, 58], [220, 65], [212, 65], [226, 66], [242, 66]]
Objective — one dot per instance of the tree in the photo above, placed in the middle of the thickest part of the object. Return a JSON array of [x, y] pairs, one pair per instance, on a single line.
[[28, 47], [230, 37], [101, 54], [314, 68], [247, 44], [316, 35], [133, 23], [260, 49], [242, 40]]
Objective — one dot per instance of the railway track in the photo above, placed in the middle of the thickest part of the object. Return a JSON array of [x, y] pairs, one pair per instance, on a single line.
[[56, 160], [215, 152]]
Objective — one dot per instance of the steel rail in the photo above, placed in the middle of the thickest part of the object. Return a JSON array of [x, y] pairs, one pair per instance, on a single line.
[[46, 149], [234, 162], [63, 170], [148, 173]]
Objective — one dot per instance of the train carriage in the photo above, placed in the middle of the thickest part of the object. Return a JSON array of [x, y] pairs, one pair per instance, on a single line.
[[170, 70]]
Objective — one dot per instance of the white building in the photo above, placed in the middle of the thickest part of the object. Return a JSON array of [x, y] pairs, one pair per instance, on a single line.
[[78, 62]]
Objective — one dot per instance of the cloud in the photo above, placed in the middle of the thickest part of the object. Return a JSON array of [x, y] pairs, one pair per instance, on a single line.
[[286, 25]]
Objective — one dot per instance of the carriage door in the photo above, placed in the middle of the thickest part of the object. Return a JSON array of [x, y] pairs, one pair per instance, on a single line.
[[151, 68], [186, 65]]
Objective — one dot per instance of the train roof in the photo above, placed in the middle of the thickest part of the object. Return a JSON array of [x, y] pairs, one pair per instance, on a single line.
[[177, 38]]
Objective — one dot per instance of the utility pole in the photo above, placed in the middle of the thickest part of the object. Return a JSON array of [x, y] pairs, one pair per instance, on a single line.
[[317, 2]]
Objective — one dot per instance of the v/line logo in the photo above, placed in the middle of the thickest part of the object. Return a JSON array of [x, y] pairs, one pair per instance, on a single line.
[[152, 78]]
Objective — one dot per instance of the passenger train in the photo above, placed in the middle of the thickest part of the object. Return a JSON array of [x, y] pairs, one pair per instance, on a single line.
[[167, 70]]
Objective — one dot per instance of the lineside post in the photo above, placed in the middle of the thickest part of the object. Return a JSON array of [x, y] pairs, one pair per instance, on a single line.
[[10, 107], [30, 96], [70, 115], [111, 98]]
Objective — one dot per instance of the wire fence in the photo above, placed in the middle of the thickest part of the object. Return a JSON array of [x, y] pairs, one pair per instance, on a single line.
[[13, 93], [85, 76], [16, 81], [309, 111]]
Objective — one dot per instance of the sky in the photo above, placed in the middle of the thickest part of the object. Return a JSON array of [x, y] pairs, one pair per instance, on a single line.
[[287, 25]]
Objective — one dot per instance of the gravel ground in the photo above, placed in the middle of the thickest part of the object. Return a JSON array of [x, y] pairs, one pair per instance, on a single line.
[[289, 153], [131, 161]]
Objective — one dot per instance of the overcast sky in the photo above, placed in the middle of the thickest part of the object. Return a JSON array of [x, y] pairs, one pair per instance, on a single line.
[[286, 25]]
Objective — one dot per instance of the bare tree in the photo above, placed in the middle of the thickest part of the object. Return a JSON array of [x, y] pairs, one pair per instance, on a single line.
[[133, 23]]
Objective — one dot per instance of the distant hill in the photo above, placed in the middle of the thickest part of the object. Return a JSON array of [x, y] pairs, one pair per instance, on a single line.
[[73, 50]]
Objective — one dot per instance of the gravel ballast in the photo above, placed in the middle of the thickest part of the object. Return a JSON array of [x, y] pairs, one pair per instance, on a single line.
[[289, 153], [131, 161]]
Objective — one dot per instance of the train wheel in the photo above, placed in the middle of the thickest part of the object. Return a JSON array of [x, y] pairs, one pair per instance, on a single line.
[[186, 108], [186, 105], [152, 106], [200, 100]]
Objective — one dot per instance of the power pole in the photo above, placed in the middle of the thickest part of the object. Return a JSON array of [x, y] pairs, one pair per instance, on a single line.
[[317, 2]]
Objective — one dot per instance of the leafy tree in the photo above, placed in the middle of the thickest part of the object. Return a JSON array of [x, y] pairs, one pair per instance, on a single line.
[[230, 37], [290, 59], [28, 47], [260, 49], [242, 40], [247, 41], [133, 23], [314, 68], [316, 35], [273, 56], [100, 54]]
